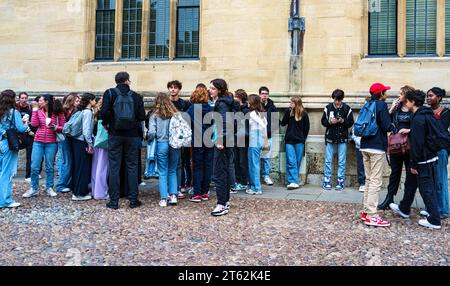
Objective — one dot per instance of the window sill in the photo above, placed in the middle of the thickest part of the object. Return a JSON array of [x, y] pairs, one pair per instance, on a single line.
[[147, 64], [411, 59]]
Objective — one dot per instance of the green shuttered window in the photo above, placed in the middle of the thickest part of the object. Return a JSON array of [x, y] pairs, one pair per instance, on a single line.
[[159, 29], [421, 27], [132, 29], [383, 29], [188, 12], [104, 29]]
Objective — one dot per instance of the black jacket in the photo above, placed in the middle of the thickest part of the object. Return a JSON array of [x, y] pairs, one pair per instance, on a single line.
[[337, 133], [107, 112], [223, 105], [198, 123], [420, 152], [269, 107], [297, 131]]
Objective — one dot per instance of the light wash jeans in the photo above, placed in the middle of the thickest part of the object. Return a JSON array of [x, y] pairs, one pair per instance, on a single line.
[[64, 165], [342, 157], [256, 143], [266, 160], [39, 151], [167, 158], [8, 168], [442, 190], [150, 166], [294, 156]]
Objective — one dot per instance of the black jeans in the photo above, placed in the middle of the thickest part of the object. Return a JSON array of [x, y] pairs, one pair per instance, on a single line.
[[202, 158], [221, 173], [427, 180], [186, 172], [241, 165], [360, 168], [397, 163], [123, 149], [81, 168]]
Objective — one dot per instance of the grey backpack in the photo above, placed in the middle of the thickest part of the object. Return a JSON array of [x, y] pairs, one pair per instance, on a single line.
[[74, 127]]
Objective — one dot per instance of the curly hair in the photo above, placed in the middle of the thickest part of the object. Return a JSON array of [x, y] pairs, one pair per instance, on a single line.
[[200, 95], [164, 107]]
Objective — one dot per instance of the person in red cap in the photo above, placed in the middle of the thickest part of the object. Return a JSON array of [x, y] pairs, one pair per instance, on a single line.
[[373, 149]]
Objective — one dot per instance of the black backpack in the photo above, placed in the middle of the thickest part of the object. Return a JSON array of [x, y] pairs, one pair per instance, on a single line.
[[437, 138], [124, 113]]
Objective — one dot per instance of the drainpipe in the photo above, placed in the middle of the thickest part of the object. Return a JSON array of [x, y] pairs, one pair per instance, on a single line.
[[297, 28]]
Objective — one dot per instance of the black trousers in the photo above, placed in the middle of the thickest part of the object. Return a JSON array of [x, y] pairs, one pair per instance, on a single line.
[[241, 165], [81, 166], [427, 180], [202, 158], [397, 163], [221, 173], [123, 149], [186, 171]]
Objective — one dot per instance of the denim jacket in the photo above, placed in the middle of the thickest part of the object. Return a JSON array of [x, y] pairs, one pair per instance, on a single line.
[[5, 125]]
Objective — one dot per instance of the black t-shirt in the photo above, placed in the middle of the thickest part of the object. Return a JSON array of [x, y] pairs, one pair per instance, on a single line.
[[181, 105], [403, 120]]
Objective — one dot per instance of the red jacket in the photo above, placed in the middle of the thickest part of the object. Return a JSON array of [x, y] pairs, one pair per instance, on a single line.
[[44, 134]]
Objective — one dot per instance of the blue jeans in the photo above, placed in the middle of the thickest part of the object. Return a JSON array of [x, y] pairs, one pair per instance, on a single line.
[[442, 184], [8, 168], [168, 159], [254, 155], [342, 157], [266, 160], [64, 165], [39, 151], [294, 156]]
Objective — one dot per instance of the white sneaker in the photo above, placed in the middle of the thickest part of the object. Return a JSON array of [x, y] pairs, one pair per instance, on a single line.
[[173, 199], [30, 193], [251, 192], [85, 198], [362, 189], [66, 190], [14, 205], [425, 223], [293, 186], [51, 192], [396, 209], [142, 184], [424, 213], [268, 181], [28, 180], [40, 177], [163, 203], [220, 210]]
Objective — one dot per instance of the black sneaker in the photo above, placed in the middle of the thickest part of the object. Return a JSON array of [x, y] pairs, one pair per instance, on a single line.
[[112, 206], [147, 178], [135, 204]]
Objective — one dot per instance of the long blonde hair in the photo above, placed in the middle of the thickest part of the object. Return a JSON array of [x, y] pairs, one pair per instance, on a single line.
[[164, 107], [298, 109]]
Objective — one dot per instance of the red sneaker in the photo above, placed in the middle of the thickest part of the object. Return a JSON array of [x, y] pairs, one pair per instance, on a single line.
[[196, 199], [363, 216], [205, 197], [376, 221]]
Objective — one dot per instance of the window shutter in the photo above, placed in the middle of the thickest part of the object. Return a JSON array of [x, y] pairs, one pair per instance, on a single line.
[[132, 29], [383, 29], [421, 27]]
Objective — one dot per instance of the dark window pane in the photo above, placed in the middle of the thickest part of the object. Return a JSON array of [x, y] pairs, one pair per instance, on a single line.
[[132, 29], [188, 29], [421, 27], [159, 29], [383, 29], [104, 29], [447, 26]]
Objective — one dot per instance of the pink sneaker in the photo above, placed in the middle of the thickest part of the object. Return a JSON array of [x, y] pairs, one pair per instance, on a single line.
[[376, 221]]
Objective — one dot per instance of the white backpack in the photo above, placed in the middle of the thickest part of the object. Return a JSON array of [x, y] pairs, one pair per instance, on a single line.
[[180, 133]]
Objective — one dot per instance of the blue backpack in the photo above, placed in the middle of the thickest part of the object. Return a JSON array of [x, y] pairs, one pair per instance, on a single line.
[[366, 124]]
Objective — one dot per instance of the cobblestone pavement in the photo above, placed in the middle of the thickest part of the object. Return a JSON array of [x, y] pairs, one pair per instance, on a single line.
[[46, 231]]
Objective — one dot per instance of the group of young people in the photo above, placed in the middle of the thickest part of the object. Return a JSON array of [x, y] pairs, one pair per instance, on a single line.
[[406, 134], [99, 142]]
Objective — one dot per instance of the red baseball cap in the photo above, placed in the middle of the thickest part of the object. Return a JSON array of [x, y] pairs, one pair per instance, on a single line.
[[377, 88]]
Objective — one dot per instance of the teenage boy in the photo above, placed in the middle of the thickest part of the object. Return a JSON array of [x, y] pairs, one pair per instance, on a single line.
[[269, 108], [423, 162], [337, 118]]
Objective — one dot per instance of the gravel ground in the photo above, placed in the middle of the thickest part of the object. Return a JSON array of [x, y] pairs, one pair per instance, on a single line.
[[47, 231]]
